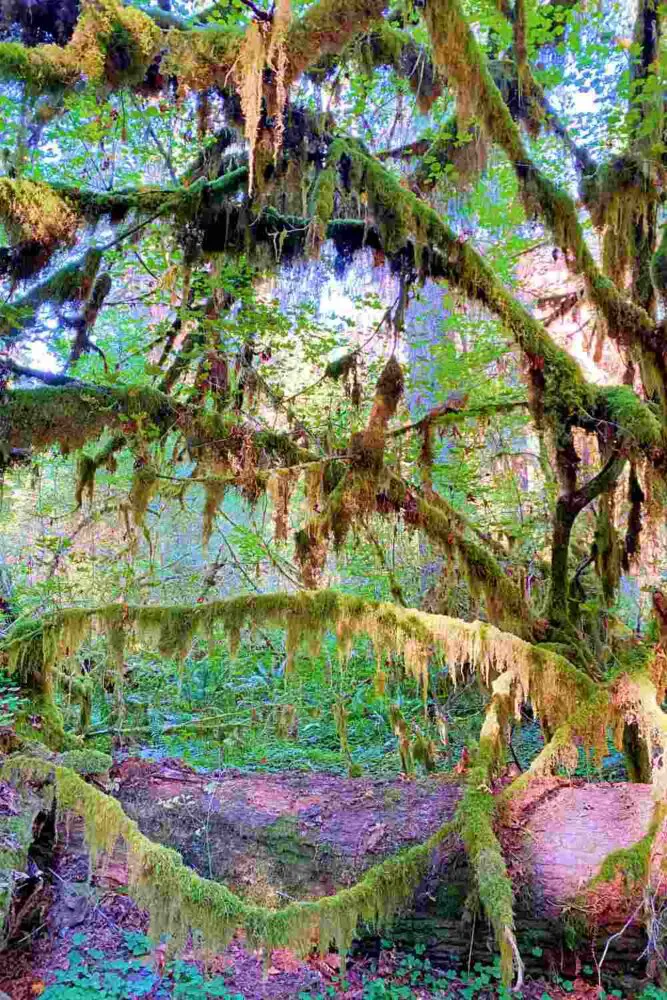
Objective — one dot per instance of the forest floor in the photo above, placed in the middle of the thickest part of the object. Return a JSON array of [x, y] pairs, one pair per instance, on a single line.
[[302, 835]]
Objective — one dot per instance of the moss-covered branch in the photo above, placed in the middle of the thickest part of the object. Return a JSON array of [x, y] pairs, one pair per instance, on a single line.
[[115, 45], [36, 218], [388, 45], [325, 29], [71, 415], [450, 531], [514, 672], [564, 398], [459, 56], [111, 44], [185, 200], [466, 647], [475, 816], [70, 283], [179, 901]]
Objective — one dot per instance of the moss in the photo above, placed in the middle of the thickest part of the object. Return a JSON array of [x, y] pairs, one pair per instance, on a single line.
[[32, 210], [460, 58], [567, 702], [203, 57], [186, 202], [390, 46], [85, 479], [144, 486], [326, 27], [485, 575], [111, 44], [85, 762], [634, 421], [18, 62], [659, 267], [15, 841], [71, 415], [179, 900], [631, 863], [341, 367], [564, 395], [633, 868], [43, 722], [475, 816]]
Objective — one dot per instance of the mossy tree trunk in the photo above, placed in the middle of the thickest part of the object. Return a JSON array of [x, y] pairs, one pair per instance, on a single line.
[[636, 753]]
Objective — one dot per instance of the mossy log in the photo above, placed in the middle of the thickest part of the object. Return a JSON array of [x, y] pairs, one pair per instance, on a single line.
[[275, 838], [513, 672]]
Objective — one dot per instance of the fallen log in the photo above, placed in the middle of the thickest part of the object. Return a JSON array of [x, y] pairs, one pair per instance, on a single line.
[[276, 838]]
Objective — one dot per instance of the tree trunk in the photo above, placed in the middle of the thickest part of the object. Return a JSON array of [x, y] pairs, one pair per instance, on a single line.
[[564, 518], [636, 753]]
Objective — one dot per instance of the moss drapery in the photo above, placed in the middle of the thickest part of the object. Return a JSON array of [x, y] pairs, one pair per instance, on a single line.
[[571, 706]]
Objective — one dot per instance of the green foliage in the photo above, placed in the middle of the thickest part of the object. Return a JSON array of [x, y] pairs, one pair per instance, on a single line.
[[93, 973], [11, 700], [213, 378]]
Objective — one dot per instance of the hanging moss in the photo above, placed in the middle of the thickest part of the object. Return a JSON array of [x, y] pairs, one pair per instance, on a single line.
[[214, 495], [179, 900], [85, 479], [341, 367], [390, 46], [425, 752], [71, 415], [567, 702], [326, 27], [458, 56], [32, 211], [144, 486], [177, 629], [447, 529]]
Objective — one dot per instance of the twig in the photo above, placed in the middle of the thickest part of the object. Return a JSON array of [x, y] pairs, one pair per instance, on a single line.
[[613, 937], [472, 939]]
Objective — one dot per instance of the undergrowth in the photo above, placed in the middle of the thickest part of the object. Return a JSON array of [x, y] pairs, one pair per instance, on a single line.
[[131, 971], [214, 710]]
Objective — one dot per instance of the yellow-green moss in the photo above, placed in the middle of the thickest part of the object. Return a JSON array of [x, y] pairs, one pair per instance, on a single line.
[[179, 900], [111, 44]]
